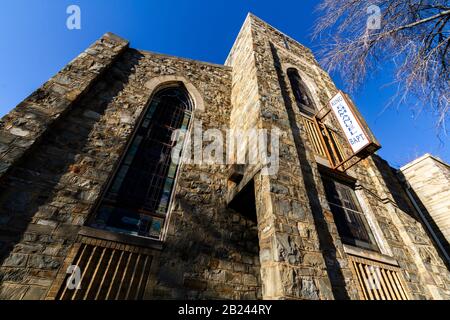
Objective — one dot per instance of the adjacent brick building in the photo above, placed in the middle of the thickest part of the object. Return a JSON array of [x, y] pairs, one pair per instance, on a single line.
[[87, 181]]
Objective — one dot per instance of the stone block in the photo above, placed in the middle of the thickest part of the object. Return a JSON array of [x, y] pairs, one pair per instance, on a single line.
[[43, 262], [195, 284], [40, 229], [309, 290], [35, 293], [279, 189], [19, 132], [249, 280], [12, 291], [28, 248], [16, 260], [66, 231], [9, 274]]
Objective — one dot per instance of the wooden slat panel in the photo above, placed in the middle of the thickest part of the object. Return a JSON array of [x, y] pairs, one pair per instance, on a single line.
[[379, 284], [360, 279], [133, 276], [364, 283], [378, 281], [384, 288], [399, 286], [340, 149], [394, 285], [116, 272], [77, 261], [143, 276], [124, 274], [84, 271], [92, 281], [109, 271], [370, 282], [388, 284], [314, 137]]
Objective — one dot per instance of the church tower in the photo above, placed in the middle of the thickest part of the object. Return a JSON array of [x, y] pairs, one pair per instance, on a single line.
[[93, 204]]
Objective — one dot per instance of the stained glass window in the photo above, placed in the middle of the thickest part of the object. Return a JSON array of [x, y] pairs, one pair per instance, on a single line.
[[139, 195]]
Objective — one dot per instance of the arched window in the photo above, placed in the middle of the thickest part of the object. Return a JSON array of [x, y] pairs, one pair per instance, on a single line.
[[138, 197], [301, 92]]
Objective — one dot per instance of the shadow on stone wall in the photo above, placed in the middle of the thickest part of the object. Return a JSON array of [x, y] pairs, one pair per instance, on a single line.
[[327, 246], [212, 253], [392, 180], [393, 184], [41, 195]]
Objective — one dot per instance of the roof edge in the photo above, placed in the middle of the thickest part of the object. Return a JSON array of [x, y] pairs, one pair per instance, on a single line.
[[422, 158]]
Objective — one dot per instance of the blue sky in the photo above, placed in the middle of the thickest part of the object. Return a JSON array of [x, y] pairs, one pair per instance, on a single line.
[[35, 44]]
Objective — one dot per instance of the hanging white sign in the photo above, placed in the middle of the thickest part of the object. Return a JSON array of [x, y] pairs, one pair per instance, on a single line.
[[353, 131]]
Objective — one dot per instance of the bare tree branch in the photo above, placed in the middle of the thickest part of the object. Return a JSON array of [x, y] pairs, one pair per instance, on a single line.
[[413, 35]]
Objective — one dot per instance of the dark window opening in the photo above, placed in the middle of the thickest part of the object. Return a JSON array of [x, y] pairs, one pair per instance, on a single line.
[[245, 203], [138, 197], [301, 93], [348, 216], [242, 234]]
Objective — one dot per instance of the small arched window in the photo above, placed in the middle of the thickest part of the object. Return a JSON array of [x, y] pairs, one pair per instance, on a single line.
[[138, 197], [301, 92]]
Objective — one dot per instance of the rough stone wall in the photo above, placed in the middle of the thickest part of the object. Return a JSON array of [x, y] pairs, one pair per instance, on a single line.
[[244, 91], [48, 195], [24, 126], [60, 147], [390, 214], [210, 251], [305, 258], [42, 194]]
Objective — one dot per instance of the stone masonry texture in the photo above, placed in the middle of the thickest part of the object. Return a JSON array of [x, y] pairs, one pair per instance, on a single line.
[[60, 147], [429, 179]]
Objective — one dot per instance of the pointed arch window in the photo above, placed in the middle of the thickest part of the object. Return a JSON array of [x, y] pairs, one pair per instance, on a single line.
[[139, 194], [301, 92]]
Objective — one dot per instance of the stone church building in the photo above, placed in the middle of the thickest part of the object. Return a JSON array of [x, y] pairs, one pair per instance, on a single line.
[[92, 207]]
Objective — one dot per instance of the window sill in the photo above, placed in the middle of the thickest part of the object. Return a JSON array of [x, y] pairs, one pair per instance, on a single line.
[[121, 238], [371, 255], [322, 161]]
